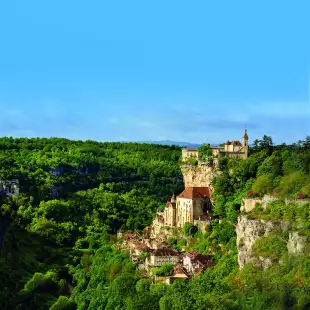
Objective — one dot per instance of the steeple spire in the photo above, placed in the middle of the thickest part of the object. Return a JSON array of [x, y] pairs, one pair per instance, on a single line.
[[245, 136]]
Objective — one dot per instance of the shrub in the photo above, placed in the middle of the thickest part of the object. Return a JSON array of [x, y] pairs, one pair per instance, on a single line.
[[164, 270], [263, 184], [273, 246], [143, 256], [205, 153]]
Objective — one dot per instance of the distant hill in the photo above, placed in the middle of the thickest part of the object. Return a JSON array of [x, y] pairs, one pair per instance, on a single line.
[[168, 142]]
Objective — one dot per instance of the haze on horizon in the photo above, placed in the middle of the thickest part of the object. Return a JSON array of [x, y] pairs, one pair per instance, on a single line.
[[169, 70]]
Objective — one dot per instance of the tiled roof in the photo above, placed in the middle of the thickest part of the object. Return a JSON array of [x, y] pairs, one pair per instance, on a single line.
[[203, 260], [130, 236], [234, 142], [169, 203], [191, 150], [195, 193], [217, 147], [165, 252], [139, 246], [179, 269]]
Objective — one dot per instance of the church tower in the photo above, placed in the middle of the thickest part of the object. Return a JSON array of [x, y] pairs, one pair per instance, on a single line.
[[245, 144]]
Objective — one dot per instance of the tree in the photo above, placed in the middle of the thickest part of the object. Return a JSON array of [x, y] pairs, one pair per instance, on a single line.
[[164, 270], [263, 184], [265, 143], [205, 153], [63, 303]]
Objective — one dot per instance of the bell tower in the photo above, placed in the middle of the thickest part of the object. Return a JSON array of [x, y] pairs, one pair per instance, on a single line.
[[245, 144]]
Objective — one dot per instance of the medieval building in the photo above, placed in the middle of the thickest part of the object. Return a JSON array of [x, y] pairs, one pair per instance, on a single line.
[[192, 205], [233, 149]]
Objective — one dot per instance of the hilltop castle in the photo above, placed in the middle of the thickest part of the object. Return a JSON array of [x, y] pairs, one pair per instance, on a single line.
[[233, 149], [194, 204]]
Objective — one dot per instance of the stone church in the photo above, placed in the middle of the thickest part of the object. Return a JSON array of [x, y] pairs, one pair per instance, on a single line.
[[193, 204]]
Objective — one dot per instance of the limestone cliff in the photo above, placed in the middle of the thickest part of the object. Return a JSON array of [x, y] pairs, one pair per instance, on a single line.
[[248, 231], [297, 243], [198, 176]]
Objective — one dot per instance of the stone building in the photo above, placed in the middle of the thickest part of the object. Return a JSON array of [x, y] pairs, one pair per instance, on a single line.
[[162, 256], [234, 149], [191, 205], [194, 262], [137, 248]]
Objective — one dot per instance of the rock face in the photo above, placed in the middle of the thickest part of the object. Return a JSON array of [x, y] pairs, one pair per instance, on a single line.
[[248, 204], [248, 231], [198, 176], [9, 188], [297, 243]]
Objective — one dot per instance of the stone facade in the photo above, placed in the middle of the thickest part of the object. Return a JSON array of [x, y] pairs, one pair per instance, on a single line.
[[234, 149], [163, 256], [195, 262], [193, 204]]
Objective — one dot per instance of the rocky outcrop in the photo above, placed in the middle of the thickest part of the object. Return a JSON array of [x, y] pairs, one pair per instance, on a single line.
[[198, 176], [9, 187], [267, 199], [248, 204], [297, 244], [248, 231]]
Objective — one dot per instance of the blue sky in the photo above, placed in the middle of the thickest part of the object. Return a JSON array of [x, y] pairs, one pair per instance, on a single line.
[[154, 70]]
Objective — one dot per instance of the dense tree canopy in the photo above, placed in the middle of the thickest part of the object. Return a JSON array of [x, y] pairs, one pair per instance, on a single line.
[[59, 250]]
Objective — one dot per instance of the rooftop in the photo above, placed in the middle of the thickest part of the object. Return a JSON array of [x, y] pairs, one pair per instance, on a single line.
[[196, 257], [130, 236], [165, 252], [190, 149], [195, 193]]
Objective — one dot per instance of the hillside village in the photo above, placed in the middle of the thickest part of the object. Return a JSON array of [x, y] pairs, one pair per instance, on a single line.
[[193, 207]]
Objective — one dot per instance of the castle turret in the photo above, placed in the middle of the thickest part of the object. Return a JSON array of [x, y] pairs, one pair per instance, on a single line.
[[173, 199], [245, 143]]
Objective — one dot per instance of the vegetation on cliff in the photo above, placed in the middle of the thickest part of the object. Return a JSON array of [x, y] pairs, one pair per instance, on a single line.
[[60, 253]]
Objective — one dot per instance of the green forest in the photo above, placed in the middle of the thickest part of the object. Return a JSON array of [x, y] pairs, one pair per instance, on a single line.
[[59, 234]]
